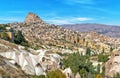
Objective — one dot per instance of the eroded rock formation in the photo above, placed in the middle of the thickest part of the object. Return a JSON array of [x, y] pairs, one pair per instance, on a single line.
[[33, 64], [32, 18], [113, 65]]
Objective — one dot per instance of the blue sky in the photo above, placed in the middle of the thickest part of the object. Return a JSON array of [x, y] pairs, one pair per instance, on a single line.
[[62, 11]]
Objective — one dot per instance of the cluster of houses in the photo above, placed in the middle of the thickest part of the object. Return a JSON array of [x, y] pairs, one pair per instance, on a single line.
[[7, 30], [41, 34]]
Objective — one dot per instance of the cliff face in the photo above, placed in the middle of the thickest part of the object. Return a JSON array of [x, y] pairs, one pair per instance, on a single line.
[[113, 65], [53, 39], [33, 62], [32, 18], [8, 70]]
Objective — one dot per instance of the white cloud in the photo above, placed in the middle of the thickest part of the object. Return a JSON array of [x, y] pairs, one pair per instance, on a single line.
[[83, 19], [83, 1], [78, 1], [58, 21], [10, 19], [95, 8], [16, 11], [71, 20]]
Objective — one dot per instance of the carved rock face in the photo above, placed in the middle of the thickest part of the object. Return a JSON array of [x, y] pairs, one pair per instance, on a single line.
[[32, 63], [32, 18], [7, 69], [113, 65]]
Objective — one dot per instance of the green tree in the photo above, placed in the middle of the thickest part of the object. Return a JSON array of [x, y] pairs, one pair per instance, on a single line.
[[2, 27], [103, 71], [56, 74], [102, 58], [83, 72], [78, 63], [5, 36], [98, 68], [117, 75], [111, 49], [19, 39], [103, 50], [88, 51]]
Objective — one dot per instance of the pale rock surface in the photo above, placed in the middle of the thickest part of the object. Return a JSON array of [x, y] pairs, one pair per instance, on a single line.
[[32, 18], [30, 63], [8, 70], [68, 73], [77, 75], [113, 65]]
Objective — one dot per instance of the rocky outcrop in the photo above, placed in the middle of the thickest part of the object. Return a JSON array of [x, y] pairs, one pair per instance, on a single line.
[[32, 18], [44, 35], [54, 39], [112, 66], [68, 72], [8, 70], [77, 75], [33, 64]]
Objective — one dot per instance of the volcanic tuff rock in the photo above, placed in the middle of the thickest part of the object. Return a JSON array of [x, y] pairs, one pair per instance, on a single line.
[[113, 65], [32, 18], [51, 39], [31, 62], [43, 35], [8, 70]]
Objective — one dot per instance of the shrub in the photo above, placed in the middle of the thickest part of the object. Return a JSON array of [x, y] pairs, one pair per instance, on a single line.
[[99, 76], [88, 51], [78, 63], [19, 39], [5, 36], [41, 76], [56, 74], [117, 75], [102, 58]]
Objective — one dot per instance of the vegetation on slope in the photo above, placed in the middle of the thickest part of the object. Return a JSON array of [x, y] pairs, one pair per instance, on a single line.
[[81, 64], [102, 58], [52, 74], [20, 39]]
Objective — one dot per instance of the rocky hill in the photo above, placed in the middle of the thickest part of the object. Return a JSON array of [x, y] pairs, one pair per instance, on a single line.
[[108, 30], [47, 41], [43, 35], [8, 69], [113, 65], [32, 18], [14, 59]]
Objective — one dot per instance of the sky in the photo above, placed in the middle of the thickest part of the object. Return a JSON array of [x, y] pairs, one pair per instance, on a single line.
[[62, 11]]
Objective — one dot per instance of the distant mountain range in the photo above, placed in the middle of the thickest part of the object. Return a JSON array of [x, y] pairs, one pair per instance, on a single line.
[[108, 30]]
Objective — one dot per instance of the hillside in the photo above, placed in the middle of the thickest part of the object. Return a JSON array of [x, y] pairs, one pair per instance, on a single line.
[[42, 35], [108, 30], [7, 68], [17, 62], [46, 46]]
